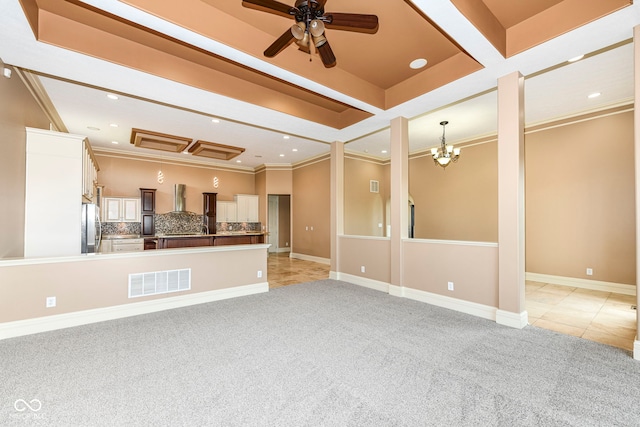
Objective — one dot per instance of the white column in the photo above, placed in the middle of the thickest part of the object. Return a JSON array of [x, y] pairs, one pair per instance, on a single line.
[[337, 204], [636, 146], [511, 231], [399, 199]]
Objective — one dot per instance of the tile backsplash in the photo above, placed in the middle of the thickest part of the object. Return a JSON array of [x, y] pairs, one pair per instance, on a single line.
[[178, 223], [111, 228]]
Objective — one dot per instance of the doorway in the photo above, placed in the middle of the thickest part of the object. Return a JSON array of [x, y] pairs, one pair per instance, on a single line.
[[279, 222]]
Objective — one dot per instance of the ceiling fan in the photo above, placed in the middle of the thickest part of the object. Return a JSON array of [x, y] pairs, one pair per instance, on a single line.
[[311, 21]]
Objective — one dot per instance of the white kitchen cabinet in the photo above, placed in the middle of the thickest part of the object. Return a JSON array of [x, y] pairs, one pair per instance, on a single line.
[[226, 211], [247, 207], [120, 209], [55, 188]]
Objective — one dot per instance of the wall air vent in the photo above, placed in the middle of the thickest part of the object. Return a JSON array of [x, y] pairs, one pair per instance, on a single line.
[[159, 282], [374, 186]]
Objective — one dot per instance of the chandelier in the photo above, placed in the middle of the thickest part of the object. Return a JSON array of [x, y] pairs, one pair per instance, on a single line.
[[446, 154]]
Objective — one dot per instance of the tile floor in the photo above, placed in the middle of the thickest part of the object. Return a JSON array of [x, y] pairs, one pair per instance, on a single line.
[[283, 271], [598, 316], [604, 317]]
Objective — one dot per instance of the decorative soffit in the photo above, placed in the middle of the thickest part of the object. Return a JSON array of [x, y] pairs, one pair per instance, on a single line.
[[371, 68]]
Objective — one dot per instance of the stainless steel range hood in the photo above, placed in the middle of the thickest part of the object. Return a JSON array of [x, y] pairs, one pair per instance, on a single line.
[[180, 203]]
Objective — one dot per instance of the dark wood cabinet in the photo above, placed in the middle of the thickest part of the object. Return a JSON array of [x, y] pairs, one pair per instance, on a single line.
[[209, 211], [150, 244], [232, 240], [184, 242], [148, 211]]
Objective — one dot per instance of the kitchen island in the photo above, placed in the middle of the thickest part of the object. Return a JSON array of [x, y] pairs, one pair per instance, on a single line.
[[219, 239]]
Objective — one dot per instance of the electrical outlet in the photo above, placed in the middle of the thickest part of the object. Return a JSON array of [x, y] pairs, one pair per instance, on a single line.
[[362, 269], [589, 272], [450, 286], [51, 302], [259, 274], [286, 243]]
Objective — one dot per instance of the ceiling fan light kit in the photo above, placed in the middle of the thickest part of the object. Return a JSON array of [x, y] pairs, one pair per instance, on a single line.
[[311, 21]]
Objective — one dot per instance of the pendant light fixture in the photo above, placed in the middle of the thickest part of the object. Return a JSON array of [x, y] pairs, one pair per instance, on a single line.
[[446, 154]]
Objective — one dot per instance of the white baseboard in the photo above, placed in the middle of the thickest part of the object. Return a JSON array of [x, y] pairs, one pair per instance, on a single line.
[[396, 291], [280, 250], [310, 258], [594, 285], [363, 281], [472, 308], [636, 349], [67, 320], [513, 320]]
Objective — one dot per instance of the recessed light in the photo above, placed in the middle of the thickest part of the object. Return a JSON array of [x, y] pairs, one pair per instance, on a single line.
[[258, 155], [594, 95], [114, 125], [281, 155], [295, 149], [215, 121], [384, 151], [418, 63], [92, 128], [185, 152], [286, 137], [112, 96], [115, 142], [238, 161], [576, 58]]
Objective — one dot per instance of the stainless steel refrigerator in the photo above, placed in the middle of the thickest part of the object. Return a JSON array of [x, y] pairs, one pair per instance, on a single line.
[[91, 228]]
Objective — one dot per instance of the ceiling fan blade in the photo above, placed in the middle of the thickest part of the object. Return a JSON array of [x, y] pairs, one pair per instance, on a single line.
[[269, 6], [327, 56], [277, 46], [321, 3], [352, 22]]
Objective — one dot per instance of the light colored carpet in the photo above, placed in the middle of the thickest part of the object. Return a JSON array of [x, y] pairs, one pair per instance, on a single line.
[[324, 353]]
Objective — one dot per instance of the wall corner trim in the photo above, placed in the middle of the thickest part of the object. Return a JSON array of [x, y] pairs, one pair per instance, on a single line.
[[513, 320]]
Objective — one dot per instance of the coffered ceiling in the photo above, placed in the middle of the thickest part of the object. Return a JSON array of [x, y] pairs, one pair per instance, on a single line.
[[203, 59]]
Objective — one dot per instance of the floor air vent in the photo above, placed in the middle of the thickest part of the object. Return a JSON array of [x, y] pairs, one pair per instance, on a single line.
[[159, 282]]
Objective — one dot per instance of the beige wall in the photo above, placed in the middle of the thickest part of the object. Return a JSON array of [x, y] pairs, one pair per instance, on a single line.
[[310, 206], [429, 266], [17, 111], [365, 213], [372, 253], [284, 221], [261, 191], [125, 177], [580, 203], [279, 181], [102, 281], [459, 202]]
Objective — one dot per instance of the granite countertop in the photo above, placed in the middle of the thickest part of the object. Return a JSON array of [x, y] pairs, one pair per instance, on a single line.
[[222, 234], [169, 236]]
